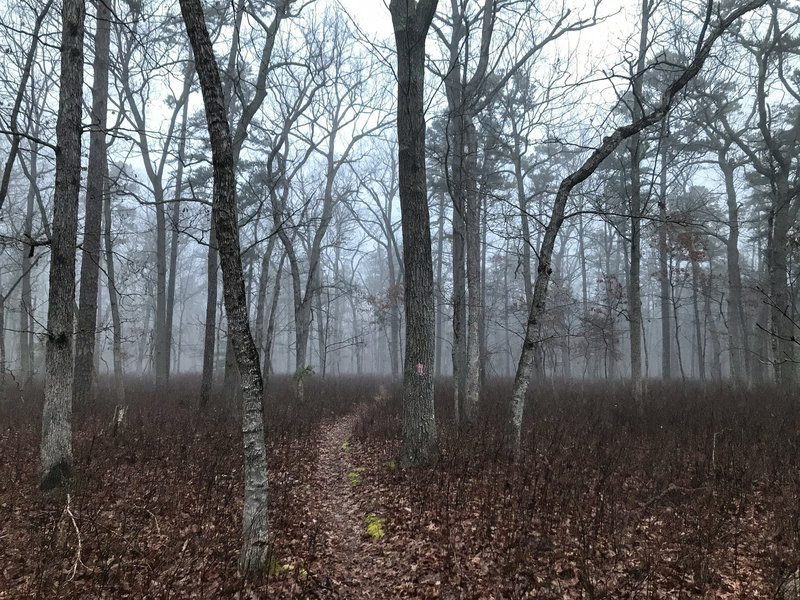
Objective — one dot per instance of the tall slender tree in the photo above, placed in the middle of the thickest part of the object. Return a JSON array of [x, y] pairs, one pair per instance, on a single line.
[[255, 520], [95, 186]]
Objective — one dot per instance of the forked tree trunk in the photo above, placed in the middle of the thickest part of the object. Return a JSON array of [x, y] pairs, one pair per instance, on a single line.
[[255, 521], [56, 445]]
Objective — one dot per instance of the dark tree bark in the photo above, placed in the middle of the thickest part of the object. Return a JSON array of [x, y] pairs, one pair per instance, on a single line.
[[411, 23], [56, 446], [95, 184], [255, 522], [440, 295]]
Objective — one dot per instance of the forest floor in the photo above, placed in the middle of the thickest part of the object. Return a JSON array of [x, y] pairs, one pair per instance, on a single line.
[[697, 497]]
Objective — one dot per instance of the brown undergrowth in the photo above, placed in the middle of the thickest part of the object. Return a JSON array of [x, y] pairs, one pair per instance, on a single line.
[[695, 496]]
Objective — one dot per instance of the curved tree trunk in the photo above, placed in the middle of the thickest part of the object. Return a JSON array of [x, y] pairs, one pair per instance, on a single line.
[[255, 522]]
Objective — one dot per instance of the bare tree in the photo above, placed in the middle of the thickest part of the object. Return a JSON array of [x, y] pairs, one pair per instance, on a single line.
[[636, 150], [255, 521], [56, 446], [95, 186], [113, 295], [420, 440], [20, 95], [708, 35], [469, 91]]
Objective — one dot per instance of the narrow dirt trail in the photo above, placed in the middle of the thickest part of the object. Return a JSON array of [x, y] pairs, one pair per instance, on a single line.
[[347, 557]]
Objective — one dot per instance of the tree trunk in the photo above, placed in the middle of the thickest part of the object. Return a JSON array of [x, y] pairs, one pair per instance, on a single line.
[[394, 316], [419, 436], [113, 294], [782, 328], [174, 246], [322, 330], [86, 334], [276, 293], [675, 302], [160, 325], [610, 143], [473, 238], [207, 380], [698, 324], [26, 344], [261, 293], [231, 383], [737, 322], [56, 445], [666, 328], [459, 351], [145, 335], [636, 150], [440, 293], [255, 523]]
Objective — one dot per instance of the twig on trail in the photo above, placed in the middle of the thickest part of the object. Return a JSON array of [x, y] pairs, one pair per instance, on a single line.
[[155, 520], [671, 488], [78, 561]]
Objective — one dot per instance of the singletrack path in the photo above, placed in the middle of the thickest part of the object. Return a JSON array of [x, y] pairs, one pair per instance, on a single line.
[[349, 563]]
